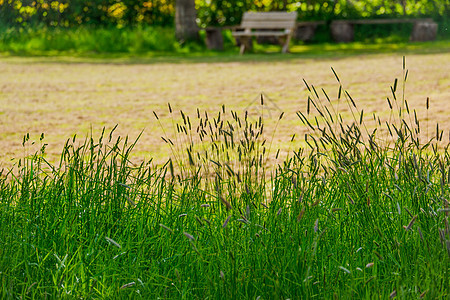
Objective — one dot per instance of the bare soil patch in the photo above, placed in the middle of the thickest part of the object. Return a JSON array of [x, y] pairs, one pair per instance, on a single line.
[[61, 99]]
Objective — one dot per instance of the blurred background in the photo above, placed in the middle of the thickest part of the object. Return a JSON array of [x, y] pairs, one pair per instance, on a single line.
[[137, 26]]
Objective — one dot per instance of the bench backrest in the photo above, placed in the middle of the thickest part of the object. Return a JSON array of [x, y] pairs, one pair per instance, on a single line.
[[269, 20]]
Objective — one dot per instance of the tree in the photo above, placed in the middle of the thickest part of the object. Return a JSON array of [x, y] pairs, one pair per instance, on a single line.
[[185, 20]]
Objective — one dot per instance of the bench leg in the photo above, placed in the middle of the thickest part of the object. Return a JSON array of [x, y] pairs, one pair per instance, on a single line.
[[242, 49], [285, 47], [246, 44]]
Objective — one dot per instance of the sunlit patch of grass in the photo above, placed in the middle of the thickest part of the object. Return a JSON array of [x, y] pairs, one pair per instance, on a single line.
[[379, 46]]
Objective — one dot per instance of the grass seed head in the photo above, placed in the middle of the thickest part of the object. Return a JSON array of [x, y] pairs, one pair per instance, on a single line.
[[130, 284], [343, 170], [118, 255], [300, 215], [411, 223], [189, 236], [166, 228], [423, 294], [420, 234], [226, 222], [226, 203], [447, 244], [110, 240]]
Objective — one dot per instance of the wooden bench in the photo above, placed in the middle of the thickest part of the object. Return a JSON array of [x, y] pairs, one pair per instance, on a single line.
[[280, 25], [342, 31]]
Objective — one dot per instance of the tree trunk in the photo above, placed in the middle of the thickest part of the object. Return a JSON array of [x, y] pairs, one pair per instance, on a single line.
[[403, 2], [185, 25]]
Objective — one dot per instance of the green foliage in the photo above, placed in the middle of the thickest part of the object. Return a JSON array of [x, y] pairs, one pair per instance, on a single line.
[[354, 213], [64, 13]]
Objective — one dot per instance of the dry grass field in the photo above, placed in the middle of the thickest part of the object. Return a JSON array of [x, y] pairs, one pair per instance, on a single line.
[[61, 97]]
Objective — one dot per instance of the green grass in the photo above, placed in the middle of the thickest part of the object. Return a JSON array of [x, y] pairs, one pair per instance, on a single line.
[[352, 214], [262, 53], [32, 41], [159, 44]]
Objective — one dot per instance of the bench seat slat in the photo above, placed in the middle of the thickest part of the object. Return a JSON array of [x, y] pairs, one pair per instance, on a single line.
[[271, 19], [260, 33], [256, 24], [270, 15]]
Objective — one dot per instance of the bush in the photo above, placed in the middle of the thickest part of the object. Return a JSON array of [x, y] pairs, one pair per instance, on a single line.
[[85, 39]]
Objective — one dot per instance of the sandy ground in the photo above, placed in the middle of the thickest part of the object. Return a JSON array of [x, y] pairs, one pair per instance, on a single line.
[[60, 98]]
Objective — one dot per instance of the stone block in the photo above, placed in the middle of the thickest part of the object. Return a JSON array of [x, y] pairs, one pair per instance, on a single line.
[[305, 33], [342, 31], [424, 31], [214, 39]]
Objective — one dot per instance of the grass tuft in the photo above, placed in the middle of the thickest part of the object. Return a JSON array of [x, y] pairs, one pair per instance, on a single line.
[[225, 218]]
